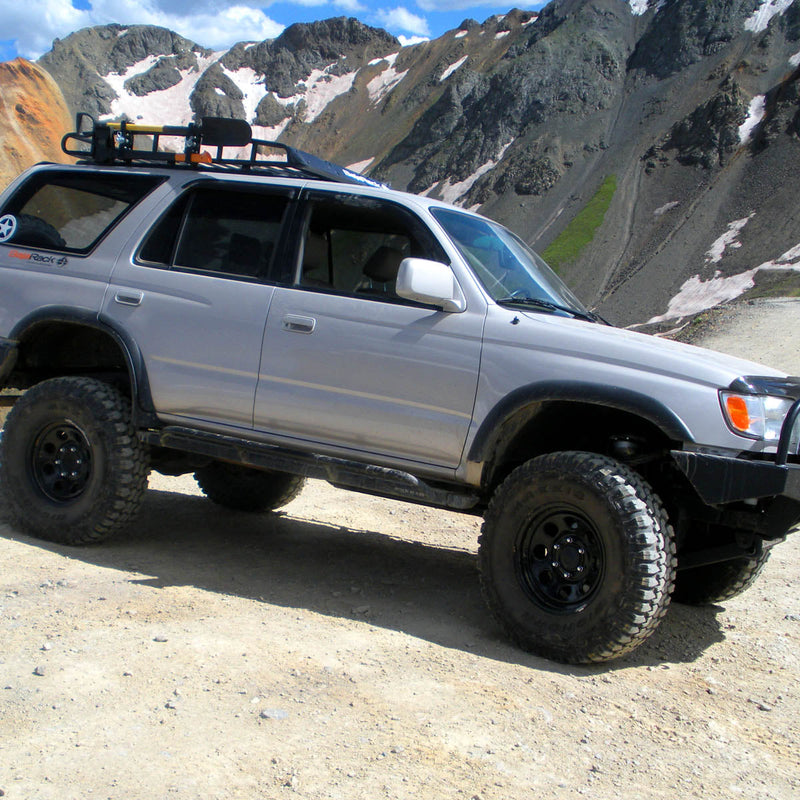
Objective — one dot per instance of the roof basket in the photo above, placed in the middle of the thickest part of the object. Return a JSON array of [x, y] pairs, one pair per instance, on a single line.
[[126, 143]]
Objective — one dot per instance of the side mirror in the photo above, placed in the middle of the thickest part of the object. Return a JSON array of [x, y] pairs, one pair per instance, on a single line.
[[431, 283]]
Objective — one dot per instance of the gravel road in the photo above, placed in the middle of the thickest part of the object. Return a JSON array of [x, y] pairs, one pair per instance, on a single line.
[[341, 650]]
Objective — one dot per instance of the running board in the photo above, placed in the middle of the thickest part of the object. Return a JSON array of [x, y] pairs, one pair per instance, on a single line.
[[337, 471]]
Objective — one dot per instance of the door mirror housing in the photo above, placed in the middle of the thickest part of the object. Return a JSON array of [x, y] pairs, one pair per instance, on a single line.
[[431, 283]]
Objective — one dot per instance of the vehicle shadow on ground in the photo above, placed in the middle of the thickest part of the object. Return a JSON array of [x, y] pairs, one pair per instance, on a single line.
[[412, 587]]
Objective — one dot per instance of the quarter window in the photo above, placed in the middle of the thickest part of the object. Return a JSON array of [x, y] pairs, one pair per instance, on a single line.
[[72, 212]]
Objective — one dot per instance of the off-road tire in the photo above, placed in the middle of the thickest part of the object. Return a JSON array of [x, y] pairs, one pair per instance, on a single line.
[[244, 489], [715, 583], [72, 470], [577, 558]]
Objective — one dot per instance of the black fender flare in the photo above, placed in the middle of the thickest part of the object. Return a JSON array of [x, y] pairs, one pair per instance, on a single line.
[[141, 400], [607, 395]]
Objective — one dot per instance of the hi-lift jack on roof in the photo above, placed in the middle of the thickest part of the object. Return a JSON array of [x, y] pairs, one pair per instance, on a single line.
[[116, 143]]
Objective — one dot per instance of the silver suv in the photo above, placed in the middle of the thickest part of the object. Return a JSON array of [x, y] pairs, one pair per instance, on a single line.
[[243, 311]]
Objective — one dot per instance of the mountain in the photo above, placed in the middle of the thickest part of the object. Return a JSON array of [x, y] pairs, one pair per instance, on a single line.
[[649, 149], [33, 118]]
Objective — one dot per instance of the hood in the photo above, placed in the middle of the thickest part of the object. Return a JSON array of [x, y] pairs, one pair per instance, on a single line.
[[627, 349]]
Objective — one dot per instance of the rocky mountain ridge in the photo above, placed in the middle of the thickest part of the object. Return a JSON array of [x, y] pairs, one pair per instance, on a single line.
[[659, 139]]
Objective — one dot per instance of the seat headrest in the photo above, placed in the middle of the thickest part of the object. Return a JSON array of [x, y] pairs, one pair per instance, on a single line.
[[383, 264]]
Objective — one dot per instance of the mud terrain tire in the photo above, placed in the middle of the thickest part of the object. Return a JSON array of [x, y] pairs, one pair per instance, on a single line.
[[715, 583], [244, 489], [577, 557], [71, 468]]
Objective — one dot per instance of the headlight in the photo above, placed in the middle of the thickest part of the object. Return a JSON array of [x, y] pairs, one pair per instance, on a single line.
[[757, 416]]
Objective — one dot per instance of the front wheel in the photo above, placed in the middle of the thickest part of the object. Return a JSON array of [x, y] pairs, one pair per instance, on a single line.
[[71, 468], [577, 557]]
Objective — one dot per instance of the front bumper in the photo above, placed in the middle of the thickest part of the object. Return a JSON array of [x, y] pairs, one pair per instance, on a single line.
[[727, 479], [724, 479]]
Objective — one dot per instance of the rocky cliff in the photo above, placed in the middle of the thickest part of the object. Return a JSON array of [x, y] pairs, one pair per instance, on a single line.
[[649, 148]]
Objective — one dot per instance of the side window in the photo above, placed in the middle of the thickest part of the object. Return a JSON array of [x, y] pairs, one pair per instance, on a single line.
[[219, 231], [354, 245], [71, 211]]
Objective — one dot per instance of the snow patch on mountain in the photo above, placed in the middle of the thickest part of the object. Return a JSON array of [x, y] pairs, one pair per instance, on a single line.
[[452, 68], [318, 90], [697, 295], [755, 113], [760, 18], [659, 212], [453, 192], [163, 107], [251, 85], [383, 83], [729, 239], [361, 166]]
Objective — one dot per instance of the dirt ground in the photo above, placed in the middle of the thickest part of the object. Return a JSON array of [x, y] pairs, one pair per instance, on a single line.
[[342, 650]]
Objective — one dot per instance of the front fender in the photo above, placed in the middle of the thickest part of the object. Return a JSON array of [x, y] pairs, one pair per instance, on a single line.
[[626, 400]]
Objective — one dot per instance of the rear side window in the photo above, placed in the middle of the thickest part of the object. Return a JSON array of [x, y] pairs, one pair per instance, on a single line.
[[71, 212], [227, 232]]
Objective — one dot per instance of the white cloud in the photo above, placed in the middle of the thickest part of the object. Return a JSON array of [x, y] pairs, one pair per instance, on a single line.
[[205, 23], [401, 18], [410, 41]]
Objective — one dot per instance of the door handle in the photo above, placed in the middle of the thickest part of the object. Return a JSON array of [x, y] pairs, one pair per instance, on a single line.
[[296, 324], [128, 297]]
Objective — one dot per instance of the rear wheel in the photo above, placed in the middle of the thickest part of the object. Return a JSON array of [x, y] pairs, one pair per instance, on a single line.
[[245, 489], [71, 467], [715, 583], [577, 557]]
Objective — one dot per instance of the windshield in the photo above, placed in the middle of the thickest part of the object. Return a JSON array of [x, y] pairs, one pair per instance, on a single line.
[[508, 269]]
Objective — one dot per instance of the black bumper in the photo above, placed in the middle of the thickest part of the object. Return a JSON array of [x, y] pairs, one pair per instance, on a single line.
[[8, 357], [721, 479]]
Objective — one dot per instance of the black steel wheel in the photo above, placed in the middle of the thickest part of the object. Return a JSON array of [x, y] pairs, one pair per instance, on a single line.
[[71, 467], [561, 559], [61, 461], [245, 489], [715, 583], [577, 557]]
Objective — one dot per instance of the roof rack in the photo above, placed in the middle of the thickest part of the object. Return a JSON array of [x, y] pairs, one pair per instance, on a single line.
[[116, 143]]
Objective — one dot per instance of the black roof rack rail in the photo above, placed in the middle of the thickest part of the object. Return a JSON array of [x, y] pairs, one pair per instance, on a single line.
[[116, 143]]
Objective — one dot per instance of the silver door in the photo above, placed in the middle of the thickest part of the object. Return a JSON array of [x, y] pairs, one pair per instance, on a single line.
[[193, 300], [389, 380]]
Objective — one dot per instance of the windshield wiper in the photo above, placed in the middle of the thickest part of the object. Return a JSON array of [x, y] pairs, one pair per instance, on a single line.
[[546, 305]]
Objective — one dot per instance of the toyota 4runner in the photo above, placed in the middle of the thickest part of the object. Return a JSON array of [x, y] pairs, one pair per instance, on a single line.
[[246, 312]]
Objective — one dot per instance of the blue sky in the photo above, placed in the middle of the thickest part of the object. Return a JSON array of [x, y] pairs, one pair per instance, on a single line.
[[29, 26]]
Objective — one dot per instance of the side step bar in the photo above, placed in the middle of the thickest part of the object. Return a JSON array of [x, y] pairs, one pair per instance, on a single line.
[[337, 471]]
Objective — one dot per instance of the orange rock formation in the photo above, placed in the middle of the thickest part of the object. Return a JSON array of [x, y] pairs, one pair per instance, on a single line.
[[33, 118]]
